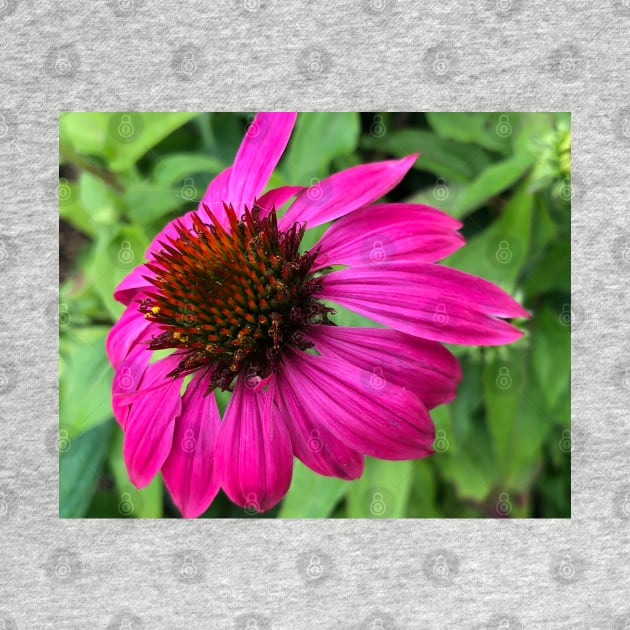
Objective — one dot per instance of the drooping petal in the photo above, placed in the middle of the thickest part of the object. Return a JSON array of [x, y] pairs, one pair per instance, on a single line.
[[426, 368], [254, 458], [375, 418], [313, 444], [151, 420], [277, 197], [389, 232], [346, 191], [128, 377], [188, 470], [427, 300], [124, 334], [258, 155]]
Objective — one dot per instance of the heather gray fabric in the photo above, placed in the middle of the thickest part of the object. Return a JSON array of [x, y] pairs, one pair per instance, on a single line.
[[361, 55]]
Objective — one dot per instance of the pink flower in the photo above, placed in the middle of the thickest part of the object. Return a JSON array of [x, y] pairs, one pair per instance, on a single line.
[[227, 291]]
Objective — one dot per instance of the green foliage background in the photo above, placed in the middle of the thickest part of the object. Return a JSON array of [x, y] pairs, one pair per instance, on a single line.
[[503, 445]]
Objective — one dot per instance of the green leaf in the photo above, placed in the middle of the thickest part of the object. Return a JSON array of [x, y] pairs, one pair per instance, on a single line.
[[312, 495], [318, 138], [552, 271], [98, 200], [493, 180], [551, 354], [453, 161], [84, 383], [176, 167], [134, 502], [382, 491], [132, 134], [114, 255], [85, 132], [499, 252], [422, 498], [147, 202], [80, 467]]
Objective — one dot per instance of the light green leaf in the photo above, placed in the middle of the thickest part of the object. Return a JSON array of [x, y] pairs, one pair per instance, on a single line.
[[312, 495], [454, 161], [493, 180], [382, 491], [80, 467], [318, 138], [85, 132], [148, 202], [132, 134], [176, 167], [134, 502], [499, 253], [84, 383], [551, 354]]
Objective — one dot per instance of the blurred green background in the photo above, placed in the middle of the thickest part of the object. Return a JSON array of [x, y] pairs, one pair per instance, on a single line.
[[503, 445]]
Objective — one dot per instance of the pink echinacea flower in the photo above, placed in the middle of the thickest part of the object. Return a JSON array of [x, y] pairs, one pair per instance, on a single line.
[[228, 292]]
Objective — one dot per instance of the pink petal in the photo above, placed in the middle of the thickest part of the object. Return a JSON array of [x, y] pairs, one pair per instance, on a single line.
[[217, 193], [189, 469], [258, 155], [426, 368], [427, 300], [312, 442], [348, 190], [376, 418], [128, 376], [132, 284], [124, 334], [151, 420], [389, 232], [253, 454], [277, 197]]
